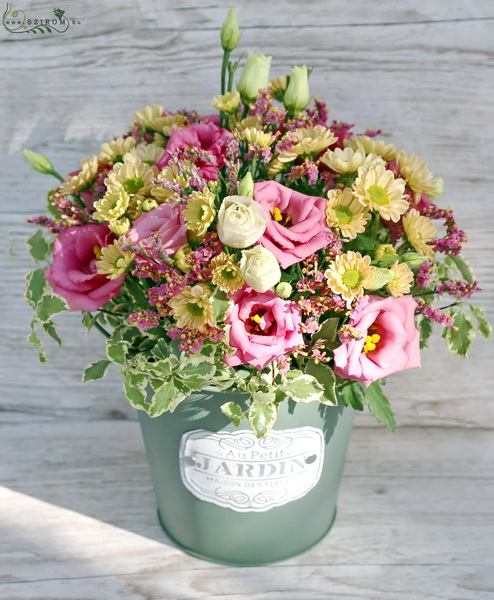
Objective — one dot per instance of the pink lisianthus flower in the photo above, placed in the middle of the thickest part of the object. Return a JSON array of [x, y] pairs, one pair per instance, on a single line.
[[166, 220], [398, 347], [297, 224], [73, 274], [205, 136], [262, 327]]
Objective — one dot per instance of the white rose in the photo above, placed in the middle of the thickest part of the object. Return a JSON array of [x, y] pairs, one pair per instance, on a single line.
[[259, 268], [241, 221]]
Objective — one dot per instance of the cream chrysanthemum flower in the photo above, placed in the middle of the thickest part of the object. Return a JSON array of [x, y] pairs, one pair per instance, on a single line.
[[78, 182], [346, 213], [149, 115], [227, 103], [170, 174], [275, 167], [257, 136], [226, 273], [113, 262], [133, 175], [377, 188], [180, 258], [192, 308], [169, 123], [416, 173], [147, 153], [349, 160], [277, 86], [401, 279], [120, 226], [312, 140], [372, 145], [113, 151], [200, 212], [252, 121], [135, 206], [385, 251], [113, 205], [349, 274], [419, 231]]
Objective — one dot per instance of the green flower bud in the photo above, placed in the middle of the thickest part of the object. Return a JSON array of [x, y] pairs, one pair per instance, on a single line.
[[230, 33], [381, 278], [439, 181], [413, 259], [284, 290], [149, 204], [297, 93], [255, 76], [38, 162], [246, 186]]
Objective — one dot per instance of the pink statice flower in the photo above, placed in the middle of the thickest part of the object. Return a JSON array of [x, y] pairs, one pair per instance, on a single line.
[[397, 340], [262, 328], [297, 224]]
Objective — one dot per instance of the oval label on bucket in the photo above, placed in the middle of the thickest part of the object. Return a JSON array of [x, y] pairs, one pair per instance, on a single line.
[[239, 471]]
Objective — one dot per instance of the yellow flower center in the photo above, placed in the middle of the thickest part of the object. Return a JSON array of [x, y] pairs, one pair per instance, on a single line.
[[277, 216], [378, 195], [371, 342], [133, 185], [351, 278], [97, 252], [256, 318], [343, 214]]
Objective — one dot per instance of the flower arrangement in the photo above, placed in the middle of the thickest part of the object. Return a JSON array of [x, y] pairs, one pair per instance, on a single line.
[[261, 249]]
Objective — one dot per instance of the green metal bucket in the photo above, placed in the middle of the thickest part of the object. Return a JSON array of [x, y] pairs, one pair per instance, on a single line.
[[225, 496]]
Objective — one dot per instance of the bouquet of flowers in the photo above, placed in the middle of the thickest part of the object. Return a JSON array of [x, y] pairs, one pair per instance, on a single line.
[[261, 249]]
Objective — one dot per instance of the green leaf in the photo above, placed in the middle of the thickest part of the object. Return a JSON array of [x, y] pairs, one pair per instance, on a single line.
[[425, 326], [50, 328], [327, 331], [88, 320], [304, 388], [35, 286], [39, 162], [325, 376], [233, 411], [464, 268], [49, 305], [221, 303], [137, 293], [200, 365], [379, 406], [39, 248], [33, 339], [116, 352], [263, 397], [135, 389], [484, 327], [95, 370], [351, 395], [194, 383], [262, 417], [460, 339], [166, 397]]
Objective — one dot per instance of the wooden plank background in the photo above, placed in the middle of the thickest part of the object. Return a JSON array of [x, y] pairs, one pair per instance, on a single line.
[[77, 518], [421, 71]]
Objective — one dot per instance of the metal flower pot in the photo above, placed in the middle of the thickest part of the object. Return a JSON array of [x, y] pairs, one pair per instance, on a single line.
[[228, 497]]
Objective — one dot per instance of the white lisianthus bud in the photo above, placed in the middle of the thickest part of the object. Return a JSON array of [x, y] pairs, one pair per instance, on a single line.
[[39, 162], [297, 93], [230, 33], [255, 77], [246, 186], [284, 290], [413, 259], [259, 268], [241, 221]]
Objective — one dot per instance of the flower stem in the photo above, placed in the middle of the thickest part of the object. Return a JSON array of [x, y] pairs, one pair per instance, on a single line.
[[224, 68]]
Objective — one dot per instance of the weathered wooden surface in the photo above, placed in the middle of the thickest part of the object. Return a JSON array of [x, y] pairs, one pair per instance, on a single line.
[[415, 520]]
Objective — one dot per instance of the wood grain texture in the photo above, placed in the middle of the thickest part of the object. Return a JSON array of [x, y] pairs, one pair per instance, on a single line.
[[415, 520], [421, 71]]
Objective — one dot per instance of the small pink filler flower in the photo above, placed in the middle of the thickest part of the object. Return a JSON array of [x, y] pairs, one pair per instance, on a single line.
[[390, 341], [263, 327]]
